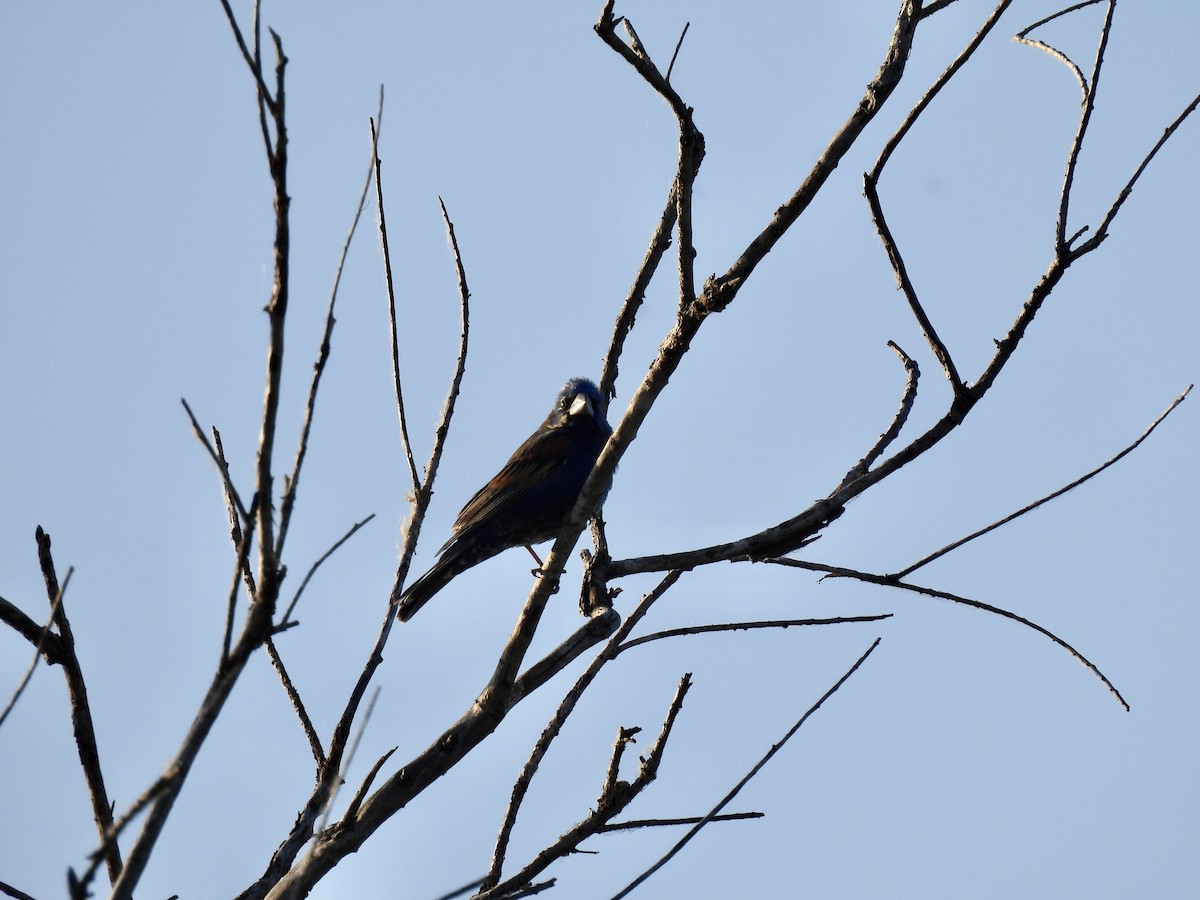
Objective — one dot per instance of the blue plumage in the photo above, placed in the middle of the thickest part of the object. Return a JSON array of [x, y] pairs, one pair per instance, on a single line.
[[526, 502]]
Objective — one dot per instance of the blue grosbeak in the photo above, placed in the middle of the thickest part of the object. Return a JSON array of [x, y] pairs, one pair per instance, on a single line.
[[527, 501]]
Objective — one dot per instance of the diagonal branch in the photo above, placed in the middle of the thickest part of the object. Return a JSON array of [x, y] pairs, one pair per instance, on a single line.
[[1102, 229], [924, 561], [558, 720], [615, 797], [1089, 104], [42, 642], [314, 742], [728, 798], [893, 581], [285, 621]]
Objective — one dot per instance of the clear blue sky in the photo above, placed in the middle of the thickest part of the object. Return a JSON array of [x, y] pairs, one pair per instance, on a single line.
[[969, 757]]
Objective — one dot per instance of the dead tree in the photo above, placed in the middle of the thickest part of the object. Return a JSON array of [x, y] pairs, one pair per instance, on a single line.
[[259, 614]]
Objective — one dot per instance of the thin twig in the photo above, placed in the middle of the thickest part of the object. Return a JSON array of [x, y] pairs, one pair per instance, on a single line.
[[35, 634], [892, 581], [870, 190], [222, 467], [252, 61], [1123, 195], [675, 55], [9, 891], [629, 824], [782, 624], [928, 9], [892, 432], [241, 546], [728, 798], [81, 711], [289, 493], [365, 787], [353, 749], [424, 495], [1085, 116], [617, 797], [559, 719], [1022, 37], [381, 217], [314, 742], [46, 634], [625, 737], [924, 561], [627, 316], [285, 620]]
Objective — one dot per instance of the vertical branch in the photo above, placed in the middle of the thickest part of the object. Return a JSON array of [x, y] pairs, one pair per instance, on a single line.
[[277, 315], [870, 190], [1085, 118], [257, 626], [405, 443], [289, 493], [424, 491]]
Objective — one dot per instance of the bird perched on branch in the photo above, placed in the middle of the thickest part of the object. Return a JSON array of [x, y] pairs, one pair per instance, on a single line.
[[526, 502]]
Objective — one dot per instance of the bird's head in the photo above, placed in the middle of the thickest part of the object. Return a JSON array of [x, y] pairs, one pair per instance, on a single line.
[[579, 403]]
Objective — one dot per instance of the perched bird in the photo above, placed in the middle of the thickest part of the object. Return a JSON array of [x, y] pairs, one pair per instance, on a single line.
[[527, 501]]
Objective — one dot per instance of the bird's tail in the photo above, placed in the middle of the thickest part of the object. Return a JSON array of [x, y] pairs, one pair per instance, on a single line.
[[422, 590]]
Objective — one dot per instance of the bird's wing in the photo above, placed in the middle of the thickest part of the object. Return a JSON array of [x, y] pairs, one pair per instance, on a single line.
[[540, 456]]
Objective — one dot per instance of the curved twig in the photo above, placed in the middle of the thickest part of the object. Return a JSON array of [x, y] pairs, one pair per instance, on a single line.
[[892, 581], [892, 432]]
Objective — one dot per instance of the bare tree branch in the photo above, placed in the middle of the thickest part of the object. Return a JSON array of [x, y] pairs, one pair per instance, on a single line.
[[81, 710], [217, 458], [728, 798], [893, 581], [9, 891], [285, 621], [44, 639], [424, 493], [559, 719], [241, 546], [257, 626], [40, 636], [1102, 229], [870, 189], [381, 217], [892, 432], [1089, 103], [310, 732], [615, 797], [924, 561], [629, 824], [291, 483], [745, 626]]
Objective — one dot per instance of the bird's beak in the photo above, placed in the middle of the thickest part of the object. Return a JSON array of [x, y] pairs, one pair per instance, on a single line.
[[581, 404]]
